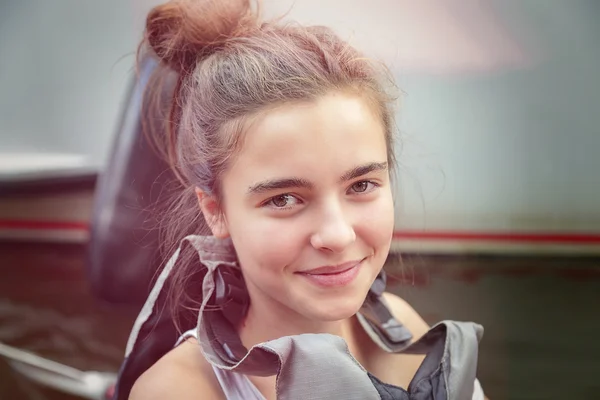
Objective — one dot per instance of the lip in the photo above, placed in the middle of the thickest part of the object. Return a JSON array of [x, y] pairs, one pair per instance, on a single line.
[[331, 269], [333, 275]]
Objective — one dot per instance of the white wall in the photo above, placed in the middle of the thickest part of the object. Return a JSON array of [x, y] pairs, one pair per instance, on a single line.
[[64, 66], [514, 149]]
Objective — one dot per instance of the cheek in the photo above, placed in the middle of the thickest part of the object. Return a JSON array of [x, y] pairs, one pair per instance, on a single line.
[[376, 226], [266, 243]]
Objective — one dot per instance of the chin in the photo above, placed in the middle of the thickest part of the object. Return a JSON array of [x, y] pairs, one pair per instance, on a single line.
[[336, 310], [336, 305]]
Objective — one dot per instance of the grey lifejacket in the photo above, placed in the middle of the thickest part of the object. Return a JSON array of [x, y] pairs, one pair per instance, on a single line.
[[318, 366]]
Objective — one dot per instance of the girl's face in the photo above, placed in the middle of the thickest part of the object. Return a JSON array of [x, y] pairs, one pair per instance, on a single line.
[[308, 205]]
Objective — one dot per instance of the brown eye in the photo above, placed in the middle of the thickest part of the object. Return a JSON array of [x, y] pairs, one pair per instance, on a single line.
[[360, 187], [283, 202], [280, 201]]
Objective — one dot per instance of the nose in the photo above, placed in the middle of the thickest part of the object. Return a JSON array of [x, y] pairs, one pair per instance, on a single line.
[[334, 231]]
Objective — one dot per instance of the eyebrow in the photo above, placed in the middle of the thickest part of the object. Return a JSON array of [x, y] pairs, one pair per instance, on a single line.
[[363, 170], [288, 183], [274, 184]]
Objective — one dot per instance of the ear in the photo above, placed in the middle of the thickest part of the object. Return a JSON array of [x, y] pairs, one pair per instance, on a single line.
[[212, 214]]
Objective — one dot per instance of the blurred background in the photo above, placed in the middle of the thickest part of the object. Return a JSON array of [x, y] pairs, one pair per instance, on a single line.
[[497, 196]]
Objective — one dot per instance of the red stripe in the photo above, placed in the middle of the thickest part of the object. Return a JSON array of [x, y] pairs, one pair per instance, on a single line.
[[530, 237], [44, 225]]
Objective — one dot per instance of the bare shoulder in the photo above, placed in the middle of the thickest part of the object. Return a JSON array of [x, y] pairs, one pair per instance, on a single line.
[[180, 374], [404, 313]]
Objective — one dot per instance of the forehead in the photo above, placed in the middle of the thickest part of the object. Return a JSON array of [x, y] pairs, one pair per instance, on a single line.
[[334, 133]]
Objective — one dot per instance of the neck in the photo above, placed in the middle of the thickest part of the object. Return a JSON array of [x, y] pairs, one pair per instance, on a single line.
[[268, 320]]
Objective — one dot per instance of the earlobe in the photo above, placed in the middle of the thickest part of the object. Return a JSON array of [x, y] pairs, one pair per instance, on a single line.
[[212, 214]]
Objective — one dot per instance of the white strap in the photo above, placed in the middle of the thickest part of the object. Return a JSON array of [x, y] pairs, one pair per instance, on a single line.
[[478, 391], [149, 304]]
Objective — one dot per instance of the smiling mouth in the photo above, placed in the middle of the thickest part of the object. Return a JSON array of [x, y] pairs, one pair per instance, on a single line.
[[332, 269], [332, 276], [337, 272]]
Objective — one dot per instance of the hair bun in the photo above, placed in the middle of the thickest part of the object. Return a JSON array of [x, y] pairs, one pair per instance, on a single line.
[[182, 31]]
